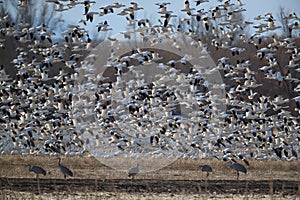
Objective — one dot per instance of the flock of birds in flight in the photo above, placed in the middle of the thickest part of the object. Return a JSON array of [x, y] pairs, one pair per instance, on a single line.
[[46, 115]]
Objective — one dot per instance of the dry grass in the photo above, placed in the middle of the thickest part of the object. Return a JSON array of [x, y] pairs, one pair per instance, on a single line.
[[126, 196], [258, 170], [182, 169]]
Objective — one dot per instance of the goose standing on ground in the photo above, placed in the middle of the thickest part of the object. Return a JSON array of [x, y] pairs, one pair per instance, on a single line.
[[66, 171], [238, 167], [206, 168], [133, 171]]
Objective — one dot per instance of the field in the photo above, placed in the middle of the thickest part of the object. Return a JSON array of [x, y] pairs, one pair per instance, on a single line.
[[180, 180]]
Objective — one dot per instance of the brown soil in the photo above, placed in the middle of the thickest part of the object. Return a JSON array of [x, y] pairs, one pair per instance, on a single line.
[[284, 187], [181, 177]]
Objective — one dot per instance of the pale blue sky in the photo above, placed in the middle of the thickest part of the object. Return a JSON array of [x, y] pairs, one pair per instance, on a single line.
[[118, 23]]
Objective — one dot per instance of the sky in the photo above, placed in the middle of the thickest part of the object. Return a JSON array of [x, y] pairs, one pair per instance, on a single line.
[[118, 23]]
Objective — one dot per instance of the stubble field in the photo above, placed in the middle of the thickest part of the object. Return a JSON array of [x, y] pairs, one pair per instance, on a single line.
[[180, 180]]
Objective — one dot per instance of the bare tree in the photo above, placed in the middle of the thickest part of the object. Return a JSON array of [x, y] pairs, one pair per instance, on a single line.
[[35, 12], [17, 17], [284, 21], [225, 28]]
